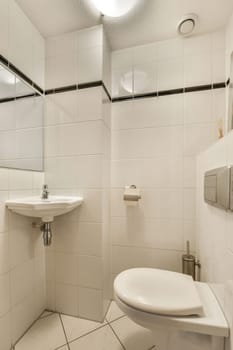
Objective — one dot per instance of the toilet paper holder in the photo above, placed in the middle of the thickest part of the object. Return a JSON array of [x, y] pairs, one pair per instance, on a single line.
[[131, 193]]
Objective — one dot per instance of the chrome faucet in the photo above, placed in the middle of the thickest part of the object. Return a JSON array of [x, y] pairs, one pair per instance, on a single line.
[[45, 192]]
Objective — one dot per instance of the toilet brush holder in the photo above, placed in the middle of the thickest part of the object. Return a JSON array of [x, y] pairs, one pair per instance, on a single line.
[[189, 264]]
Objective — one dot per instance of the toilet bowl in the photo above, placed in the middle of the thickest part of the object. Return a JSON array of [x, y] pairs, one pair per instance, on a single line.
[[173, 304]]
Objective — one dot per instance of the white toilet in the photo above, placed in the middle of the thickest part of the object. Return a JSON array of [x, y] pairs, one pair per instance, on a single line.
[[181, 313]]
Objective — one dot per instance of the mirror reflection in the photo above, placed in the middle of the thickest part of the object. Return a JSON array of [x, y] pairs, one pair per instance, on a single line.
[[21, 123]]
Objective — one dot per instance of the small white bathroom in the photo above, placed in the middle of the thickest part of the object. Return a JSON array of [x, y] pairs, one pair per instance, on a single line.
[[116, 174]]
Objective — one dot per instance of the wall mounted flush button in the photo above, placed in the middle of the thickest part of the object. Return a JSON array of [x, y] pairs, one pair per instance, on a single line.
[[217, 188]]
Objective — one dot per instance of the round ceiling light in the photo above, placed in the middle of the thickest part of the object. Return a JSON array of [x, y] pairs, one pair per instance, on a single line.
[[115, 8], [187, 25]]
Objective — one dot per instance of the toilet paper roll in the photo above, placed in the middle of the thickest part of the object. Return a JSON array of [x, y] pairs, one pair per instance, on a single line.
[[131, 195]]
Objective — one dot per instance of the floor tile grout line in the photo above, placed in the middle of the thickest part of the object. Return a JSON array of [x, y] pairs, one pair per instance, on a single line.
[[63, 327], [45, 316], [117, 336], [27, 330], [61, 346], [92, 331], [115, 319]]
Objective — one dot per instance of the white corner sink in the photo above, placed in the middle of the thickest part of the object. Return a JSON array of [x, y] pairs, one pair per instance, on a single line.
[[45, 209]]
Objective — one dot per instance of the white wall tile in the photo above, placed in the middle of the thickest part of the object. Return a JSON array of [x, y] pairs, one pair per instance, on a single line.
[[4, 253], [90, 104], [25, 273], [198, 107], [90, 64], [75, 139], [155, 203], [4, 294], [146, 143], [90, 303], [219, 69], [197, 44], [170, 48], [89, 239], [160, 172], [197, 70], [170, 74], [20, 179], [90, 271], [5, 332], [150, 233], [162, 111], [66, 268], [204, 133], [4, 28], [67, 299], [89, 37], [21, 320]]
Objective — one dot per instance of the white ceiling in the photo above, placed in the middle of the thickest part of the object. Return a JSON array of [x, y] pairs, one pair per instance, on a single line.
[[153, 20]]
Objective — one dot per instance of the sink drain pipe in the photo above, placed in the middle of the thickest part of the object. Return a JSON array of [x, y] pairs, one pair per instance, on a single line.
[[46, 229], [47, 233]]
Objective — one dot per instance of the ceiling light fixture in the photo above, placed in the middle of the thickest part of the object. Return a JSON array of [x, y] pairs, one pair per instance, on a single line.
[[115, 8]]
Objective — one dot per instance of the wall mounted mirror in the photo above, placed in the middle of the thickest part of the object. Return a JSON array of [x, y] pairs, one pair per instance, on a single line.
[[21, 123]]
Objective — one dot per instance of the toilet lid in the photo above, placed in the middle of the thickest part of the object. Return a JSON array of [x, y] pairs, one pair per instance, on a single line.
[[158, 291]]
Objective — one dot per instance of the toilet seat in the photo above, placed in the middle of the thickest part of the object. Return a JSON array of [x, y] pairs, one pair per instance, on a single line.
[[158, 291], [212, 322]]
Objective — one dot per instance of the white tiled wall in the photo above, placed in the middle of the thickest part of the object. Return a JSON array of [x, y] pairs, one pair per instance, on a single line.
[[22, 270], [215, 226], [77, 150], [76, 57], [214, 231], [154, 145], [169, 64], [77, 167], [20, 42]]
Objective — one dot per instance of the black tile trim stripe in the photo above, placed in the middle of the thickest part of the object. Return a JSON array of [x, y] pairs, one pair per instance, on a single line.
[[219, 85], [198, 88], [90, 84], [9, 99], [172, 91], [106, 91], [122, 98], [20, 74], [146, 95], [97, 83]]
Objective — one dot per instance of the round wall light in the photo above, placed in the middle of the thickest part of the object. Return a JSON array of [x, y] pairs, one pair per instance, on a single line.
[[115, 8]]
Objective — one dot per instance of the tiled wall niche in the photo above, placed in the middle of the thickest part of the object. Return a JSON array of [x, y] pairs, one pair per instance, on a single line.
[[22, 269], [77, 162], [154, 146]]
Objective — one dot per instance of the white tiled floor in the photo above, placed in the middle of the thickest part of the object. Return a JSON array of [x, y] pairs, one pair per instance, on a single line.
[[55, 331]]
